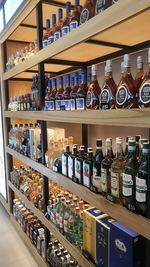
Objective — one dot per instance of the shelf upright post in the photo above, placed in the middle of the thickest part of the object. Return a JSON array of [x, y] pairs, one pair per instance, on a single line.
[[6, 123], [85, 126], [41, 89]]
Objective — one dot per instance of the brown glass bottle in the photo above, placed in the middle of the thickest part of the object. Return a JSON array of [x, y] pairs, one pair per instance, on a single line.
[[66, 21], [107, 98], [126, 93], [139, 74], [144, 91], [57, 31], [92, 97], [88, 11]]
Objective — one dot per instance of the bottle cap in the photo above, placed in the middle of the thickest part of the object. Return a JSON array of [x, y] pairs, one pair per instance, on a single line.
[[60, 12], [68, 3], [53, 18], [76, 2], [47, 23], [108, 66], [139, 63], [126, 61], [90, 149], [137, 138], [149, 55], [67, 147], [94, 70], [99, 142]]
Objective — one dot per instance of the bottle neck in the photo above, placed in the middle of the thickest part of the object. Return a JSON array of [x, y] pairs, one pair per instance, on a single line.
[[119, 150]]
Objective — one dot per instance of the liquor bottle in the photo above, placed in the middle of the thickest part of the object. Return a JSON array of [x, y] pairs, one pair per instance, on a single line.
[[47, 95], [64, 158], [126, 147], [69, 234], [46, 33], [71, 162], [57, 32], [92, 97], [81, 93], [107, 97], [117, 169], [65, 104], [142, 141], [65, 25], [139, 74], [137, 144], [95, 181], [144, 91], [88, 11], [59, 94], [75, 17], [142, 182], [52, 29], [88, 168], [105, 169], [126, 92], [102, 5], [73, 92], [66, 216], [52, 95], [130, 170], [78, 178]]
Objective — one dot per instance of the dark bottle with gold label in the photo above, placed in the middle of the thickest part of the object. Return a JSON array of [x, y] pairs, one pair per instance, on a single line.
[[88, 168], [102, 5], [88, 11], [126, 92], [107, 97], [92, 97], [144, 91]]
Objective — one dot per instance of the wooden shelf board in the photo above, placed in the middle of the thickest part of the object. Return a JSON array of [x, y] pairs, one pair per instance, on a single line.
[[72, 249], [118, 117], [115, 210], [113, 16], [28, 243]]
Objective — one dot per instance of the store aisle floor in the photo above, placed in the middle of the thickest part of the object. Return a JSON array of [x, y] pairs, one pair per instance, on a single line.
[[13, 252]]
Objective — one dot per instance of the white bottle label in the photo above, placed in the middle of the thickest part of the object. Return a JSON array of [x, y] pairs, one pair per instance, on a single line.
[[70, 167], [96, 180], [121, 95], [115, 184], [65, 30], [141, 190], [56, 36], [80, 103], [127, 185], [64, 165], [73, 25], [144, 93], [103, 179], [78, 169], [86, 174]]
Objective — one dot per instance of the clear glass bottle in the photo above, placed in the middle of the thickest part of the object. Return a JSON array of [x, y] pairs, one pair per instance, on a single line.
[[139, 73]]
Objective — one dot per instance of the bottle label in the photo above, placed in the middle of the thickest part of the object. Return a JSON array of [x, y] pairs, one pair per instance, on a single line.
[[78, 169], [45, 43], [51, 105], [144, 93], [67, 104], [104, 96], [86, 174], [127, 185], [65, 30], [50, 39], [61, 222], [72, 104], [73, 25], [96, 180], [141, 190], [100, 6], [70, 167], [80, 103], [58, 104], [88, 99], [56, 36], [66, 226], [121, 95], [84, 15], [64, 164], [103, 179], [47, 105], [115, 190]]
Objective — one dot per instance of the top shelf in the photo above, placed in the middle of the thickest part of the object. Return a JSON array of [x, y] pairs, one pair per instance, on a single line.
[[126, 23]]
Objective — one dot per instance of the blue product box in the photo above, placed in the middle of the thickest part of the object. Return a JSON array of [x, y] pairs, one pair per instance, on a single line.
[[125, 246]]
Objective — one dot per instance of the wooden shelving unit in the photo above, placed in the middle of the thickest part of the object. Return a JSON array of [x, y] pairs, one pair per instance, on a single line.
[[122, 28], [72, 249]]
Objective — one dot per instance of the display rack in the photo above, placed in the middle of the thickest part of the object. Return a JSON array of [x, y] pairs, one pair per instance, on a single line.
[[108, 35]]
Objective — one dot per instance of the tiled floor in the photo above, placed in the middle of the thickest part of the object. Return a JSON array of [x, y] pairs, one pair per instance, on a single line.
[[13, 252]]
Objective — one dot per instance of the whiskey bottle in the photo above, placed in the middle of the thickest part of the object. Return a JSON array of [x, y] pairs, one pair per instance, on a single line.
[[59, 93], [75, 17], [142, 182], [107, 97], [126, 92], [102, 5], [117, 169], [52, 30], [78, 178], [92, 97], [139, 74], [65, 104], [130, 170], [52, 95], [106, 169], [88, 11], [66, 21], [57, 32], [46, 33], [95, 181], [82, 91], [73, 92], [144, 91], [142, 141], [71, 162], [88, 168], [64, 159], [126, 147], [137, 145], [47, 95]]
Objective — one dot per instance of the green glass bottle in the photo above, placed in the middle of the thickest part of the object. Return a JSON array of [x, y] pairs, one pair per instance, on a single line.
[[142, 182], [130, 170]]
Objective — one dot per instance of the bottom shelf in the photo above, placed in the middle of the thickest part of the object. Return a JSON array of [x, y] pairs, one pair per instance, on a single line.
[[28, 243]]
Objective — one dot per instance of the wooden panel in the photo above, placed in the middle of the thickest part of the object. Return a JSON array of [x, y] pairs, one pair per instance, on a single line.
[[28, 243], [19, 88], [25, 75], [25, 34], [13, 47], [118, 117], [72, 249], [112, 16], [115, 210]]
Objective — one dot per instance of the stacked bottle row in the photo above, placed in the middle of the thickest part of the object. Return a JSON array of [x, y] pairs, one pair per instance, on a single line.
[[72, 19], [122, 177], [56, 254]]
